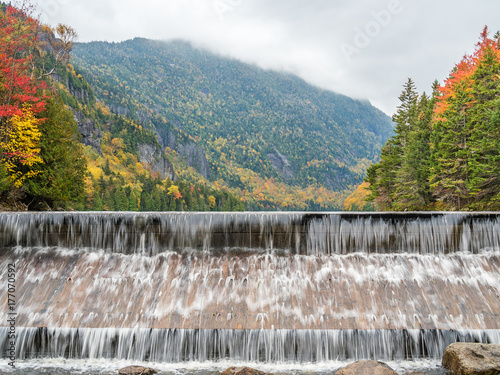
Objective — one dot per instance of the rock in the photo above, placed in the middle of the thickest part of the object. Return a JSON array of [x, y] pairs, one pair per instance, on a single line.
[[136, 370], [242, 371], [366, 368], [91, 134], [472, 359], [281, 164], [119, 110], [195, 157], [151, 158]]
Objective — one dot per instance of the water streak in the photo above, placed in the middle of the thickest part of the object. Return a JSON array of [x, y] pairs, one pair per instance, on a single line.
[[272, 346], [273, 287], [296, 233]]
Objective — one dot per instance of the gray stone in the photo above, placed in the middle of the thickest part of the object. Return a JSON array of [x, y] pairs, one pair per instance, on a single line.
[[195, 157], [242, 371], [366, 368], [137, 370], [91, 134], [281, 165], [472, 359], [152, 159]]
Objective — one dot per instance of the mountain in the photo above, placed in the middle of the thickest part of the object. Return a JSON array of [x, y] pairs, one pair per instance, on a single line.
[[270, 137]]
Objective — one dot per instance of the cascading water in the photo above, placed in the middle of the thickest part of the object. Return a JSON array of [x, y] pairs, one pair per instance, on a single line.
[[265, 287]]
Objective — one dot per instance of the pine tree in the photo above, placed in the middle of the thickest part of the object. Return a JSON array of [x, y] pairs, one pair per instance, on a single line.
[[383, 176], [413, 190], [120, 199], [484, 182], [60, 177], [452, 125]]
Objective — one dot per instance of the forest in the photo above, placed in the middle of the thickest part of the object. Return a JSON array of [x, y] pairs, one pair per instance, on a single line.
[[152, 126], [269, 138], [445, 153], [43, 163], [41, 159]]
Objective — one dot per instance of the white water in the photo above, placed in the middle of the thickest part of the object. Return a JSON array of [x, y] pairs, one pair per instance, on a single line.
[[206, 290], [56, 366], [296, 233]]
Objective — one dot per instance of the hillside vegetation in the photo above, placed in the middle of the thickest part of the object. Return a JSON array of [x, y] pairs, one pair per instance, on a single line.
[[47, 110], [268, 137], [445, 154]]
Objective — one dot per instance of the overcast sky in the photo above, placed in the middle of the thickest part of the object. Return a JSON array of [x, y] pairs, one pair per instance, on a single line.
[[364, 49]]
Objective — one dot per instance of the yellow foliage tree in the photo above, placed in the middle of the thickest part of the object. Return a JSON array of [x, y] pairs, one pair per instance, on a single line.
[[212, 201], [174, 191], [357, 200], [20, 147]]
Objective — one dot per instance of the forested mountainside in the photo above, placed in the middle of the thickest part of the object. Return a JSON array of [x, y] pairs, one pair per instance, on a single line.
[[60, 148], [445, 154], [271, 138]]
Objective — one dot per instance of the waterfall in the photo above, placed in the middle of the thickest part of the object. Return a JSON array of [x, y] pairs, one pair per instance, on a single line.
[[272, 287]]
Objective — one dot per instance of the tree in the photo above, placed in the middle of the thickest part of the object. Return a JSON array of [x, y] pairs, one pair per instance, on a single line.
[[120, 199], [21, 149], [466, 172], [20, 88], [412, 185], [484, 181], [384, 176], [55, 48], [60, 177]]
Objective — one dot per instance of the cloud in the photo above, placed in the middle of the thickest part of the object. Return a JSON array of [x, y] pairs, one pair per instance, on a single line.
[[364, 49]]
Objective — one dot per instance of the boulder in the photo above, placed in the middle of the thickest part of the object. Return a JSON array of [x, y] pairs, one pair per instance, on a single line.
[[242, 371], [137, 370], [472, 359], [366, 368]]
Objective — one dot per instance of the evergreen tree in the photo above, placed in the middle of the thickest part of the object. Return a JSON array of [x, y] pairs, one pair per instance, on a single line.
[[120, 199], [133, 201], [450, 175], [413, 190], [61, 175], [484, 182], [445, 153], [97, 204], [384, 176]]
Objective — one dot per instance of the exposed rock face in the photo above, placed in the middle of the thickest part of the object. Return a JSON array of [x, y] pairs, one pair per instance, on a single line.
[[472, 359], [366, 368], [136, 370], [194, 154], [80, 94], [281, 164], [91, 134], [195, 157], [119, 110], [166, 138], [148, 155], [242, 371]]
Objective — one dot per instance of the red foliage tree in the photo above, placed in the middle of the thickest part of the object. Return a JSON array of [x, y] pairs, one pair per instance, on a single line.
[[20, 89]]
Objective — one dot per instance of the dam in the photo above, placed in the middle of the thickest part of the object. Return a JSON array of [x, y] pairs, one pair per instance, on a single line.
[[265, 287]]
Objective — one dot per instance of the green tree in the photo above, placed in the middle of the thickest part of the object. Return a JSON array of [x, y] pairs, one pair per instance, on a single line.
[[412, 185], [484, 179], [120, 199], [450, 175], [61, 175], [384, 176]]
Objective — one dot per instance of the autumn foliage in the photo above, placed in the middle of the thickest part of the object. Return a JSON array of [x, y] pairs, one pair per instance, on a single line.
[[445, 154], [34, 146], [20, 89]]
